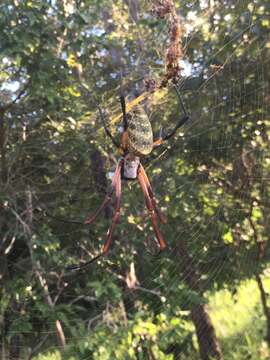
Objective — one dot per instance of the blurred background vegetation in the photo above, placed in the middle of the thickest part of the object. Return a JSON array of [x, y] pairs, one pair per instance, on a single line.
[[206, 297]]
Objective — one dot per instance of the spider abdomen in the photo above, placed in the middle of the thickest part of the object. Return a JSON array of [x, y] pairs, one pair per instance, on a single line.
[[140, 134]]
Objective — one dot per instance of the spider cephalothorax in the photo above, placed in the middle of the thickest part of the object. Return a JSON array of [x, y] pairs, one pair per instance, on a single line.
[[136, 142], [130, 167]]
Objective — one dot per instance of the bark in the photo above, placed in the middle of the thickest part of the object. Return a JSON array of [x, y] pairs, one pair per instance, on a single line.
[[266, 308], [14, 348], [60, 334], [261, 250], [205, 331], [208, 342]]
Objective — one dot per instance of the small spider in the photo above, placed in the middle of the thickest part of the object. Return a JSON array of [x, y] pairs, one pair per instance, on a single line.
[[136, 142]]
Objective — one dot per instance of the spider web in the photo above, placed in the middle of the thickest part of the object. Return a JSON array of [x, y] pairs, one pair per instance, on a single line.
[[208, 142], [217, 108]]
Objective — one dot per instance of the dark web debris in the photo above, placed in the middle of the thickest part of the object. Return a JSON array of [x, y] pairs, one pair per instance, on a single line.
[[165, 9]]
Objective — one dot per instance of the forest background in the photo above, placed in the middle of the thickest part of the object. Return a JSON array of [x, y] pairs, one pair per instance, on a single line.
[[206, 297]]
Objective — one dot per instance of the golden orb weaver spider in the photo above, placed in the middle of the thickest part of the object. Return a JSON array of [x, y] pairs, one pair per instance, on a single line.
[[136, 142]]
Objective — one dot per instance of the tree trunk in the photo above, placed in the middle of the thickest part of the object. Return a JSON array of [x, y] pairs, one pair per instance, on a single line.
[[14, 349], [263, 294], [208, 342], [205, 331], [266, 308]]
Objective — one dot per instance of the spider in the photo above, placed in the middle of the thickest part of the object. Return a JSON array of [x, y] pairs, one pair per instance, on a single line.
[[136, 142]]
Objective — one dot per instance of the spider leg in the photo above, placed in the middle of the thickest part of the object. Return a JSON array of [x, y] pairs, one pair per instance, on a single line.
[[124, 136], [162, 218], [180, 123], [92, 218], [151, 210], [78, 267], [116, 212], [123, 106], [117, 185], [108, 197], [107, 131]]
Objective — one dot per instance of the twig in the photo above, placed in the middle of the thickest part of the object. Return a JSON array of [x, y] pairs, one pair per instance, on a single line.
[[153, 292], [35, 349]]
